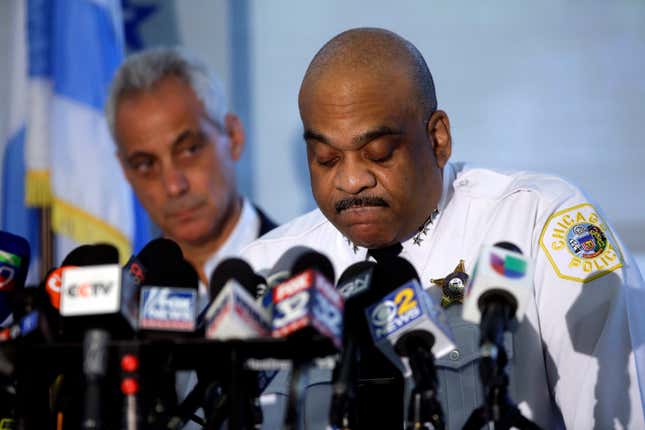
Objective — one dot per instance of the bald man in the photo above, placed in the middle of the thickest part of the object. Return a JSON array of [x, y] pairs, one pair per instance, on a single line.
[[378, 151]]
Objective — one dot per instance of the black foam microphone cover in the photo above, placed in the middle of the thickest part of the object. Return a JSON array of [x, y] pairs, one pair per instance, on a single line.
[[165, 265], [508, 246], [354, 270], [233, 268], [316, 261], [92, 255], [391, 274]]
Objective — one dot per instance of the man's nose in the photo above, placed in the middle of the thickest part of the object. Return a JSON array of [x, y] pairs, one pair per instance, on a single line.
[[354, 176], [175, 181]]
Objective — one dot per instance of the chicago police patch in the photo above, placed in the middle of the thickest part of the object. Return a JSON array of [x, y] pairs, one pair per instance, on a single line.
[[579, 244]]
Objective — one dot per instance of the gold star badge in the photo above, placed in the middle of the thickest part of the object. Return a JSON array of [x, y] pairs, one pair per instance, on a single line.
[[452, 286]]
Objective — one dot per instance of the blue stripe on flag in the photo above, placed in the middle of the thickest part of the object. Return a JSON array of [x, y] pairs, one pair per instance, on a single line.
[[39, 24], [84, 33], [16, 217]]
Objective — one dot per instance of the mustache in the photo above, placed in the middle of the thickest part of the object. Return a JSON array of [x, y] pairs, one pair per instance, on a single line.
[[366, 201]]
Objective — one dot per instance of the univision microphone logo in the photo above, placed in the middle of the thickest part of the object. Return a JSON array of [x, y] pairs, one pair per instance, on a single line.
[[508, 265]]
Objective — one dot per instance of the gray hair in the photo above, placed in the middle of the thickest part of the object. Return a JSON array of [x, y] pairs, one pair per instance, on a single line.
[[143, 70]]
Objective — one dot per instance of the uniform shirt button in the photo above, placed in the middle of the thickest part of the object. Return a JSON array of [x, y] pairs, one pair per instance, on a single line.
[[454, 355], [463, 183]]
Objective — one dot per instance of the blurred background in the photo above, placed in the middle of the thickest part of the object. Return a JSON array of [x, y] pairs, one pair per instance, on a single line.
[[552, 86]]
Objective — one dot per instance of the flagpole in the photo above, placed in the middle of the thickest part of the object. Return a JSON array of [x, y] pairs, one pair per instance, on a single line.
[[46, 241]]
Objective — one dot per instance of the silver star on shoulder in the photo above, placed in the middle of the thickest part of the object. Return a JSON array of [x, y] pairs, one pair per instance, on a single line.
[[423, 230], [354, 247]]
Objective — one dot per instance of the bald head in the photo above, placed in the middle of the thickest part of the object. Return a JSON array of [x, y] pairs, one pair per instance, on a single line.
[[378, 54]]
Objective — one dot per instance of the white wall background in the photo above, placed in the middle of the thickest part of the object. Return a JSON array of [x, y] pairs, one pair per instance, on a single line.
[[551, 86]]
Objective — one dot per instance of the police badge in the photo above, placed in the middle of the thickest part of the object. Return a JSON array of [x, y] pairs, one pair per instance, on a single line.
[[453, 285]]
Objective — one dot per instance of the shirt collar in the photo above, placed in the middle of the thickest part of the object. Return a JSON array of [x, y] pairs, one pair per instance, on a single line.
[[246, 231], [409, 247]]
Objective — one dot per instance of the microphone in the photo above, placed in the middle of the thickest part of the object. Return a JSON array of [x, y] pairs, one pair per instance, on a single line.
[[15, 254], [90, 291], [407, 308], [365, 380], [407, 322], [35, 318], [306, 306], [280, 272], [234, 313], [168, 299], [150, 266], [498, 291], [167, 308], [92, 255], [282, 269], [356, 278], [90, 303], [424, 409], [496, 297], [353, 284]]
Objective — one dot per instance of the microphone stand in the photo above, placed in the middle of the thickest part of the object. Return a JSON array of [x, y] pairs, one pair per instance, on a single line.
[[238, 401], [342, 414], [498, 408], [95, 362], [297, 387], [424, 409]]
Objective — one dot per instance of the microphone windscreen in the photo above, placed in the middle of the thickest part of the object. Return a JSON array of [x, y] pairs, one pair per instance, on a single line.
[[508, 246], [281, 270], [160, 252], [316, 261], [354, 270], [16, 246], [92, 255], [233, 268], [15, 254], [166, 266], [391, 274], [179, 274], [356, 279]]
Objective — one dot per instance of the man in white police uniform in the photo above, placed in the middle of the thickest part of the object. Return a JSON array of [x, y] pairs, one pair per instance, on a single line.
[[378, 151]]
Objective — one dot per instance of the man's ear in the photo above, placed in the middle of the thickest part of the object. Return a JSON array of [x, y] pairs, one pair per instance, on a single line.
[[235, 132], [438, 129]]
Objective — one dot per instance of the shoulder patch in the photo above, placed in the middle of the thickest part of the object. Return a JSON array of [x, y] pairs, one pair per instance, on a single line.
[[579, 245]]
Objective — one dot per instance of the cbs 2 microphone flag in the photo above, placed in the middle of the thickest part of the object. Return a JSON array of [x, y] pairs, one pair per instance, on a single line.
[[73, 48]]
